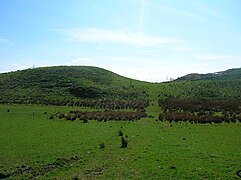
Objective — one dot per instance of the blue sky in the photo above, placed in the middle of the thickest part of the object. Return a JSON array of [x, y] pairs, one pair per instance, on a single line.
[[151, 40]]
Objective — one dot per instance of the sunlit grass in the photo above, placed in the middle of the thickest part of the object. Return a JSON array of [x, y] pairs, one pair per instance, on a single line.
[[155, 149]]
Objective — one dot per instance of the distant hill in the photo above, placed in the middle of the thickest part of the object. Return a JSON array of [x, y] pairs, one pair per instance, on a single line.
[[202, 89], [66, 82], [223, 75], [219, 85]]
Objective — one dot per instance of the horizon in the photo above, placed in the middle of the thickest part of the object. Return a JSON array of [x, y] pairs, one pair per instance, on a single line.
[[150, 40], [167, 80]]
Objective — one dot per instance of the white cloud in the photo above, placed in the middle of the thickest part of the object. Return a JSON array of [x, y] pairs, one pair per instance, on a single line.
[[203, 65], [152, 73], [19, 66], [81, 61], [131, 60], [98, 35], [227, 58], [145, 69], [2, 40], [143, 13], [184, 49], [159, 71], [210, 11]]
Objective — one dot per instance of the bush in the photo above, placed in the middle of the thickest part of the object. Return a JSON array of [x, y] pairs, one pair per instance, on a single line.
[[102, 145], [61, 115], [124, 142], [120, 133], [51, 116], [71, 116]]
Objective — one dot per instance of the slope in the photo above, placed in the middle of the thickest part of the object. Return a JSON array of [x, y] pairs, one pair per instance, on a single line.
[[46, 84], [229, 74], [219, 85], [66, 82]]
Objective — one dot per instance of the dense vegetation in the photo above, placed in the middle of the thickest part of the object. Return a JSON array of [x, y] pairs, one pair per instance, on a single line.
[[103, 115], [200, 111], [104, 110], [102, 103]]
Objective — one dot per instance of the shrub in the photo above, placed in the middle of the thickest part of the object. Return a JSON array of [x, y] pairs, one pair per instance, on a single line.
[[120, 133], [71, 116], [102, 145], [124, 142], [61, 115]]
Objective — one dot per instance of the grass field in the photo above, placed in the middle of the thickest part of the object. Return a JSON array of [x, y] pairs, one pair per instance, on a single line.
[[32, 145]]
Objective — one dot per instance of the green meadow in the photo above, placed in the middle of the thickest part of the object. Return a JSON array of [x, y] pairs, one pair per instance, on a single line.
[[34, 146], [38, 143]]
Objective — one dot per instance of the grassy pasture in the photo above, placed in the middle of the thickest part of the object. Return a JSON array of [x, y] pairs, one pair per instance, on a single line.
[[44, 148]]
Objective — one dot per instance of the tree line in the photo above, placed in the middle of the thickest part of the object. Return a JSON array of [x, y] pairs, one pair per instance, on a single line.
[[104, 103], [102, 115], [200, 110], [92, 103]]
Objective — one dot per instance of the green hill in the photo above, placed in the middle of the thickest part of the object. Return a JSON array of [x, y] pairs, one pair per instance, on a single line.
[[229, 74], [46, 84], [66, 82], [202, 89], [219, 85]]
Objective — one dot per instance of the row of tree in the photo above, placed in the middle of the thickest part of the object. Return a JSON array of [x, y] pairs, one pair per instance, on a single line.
[[102, 115], [92, 103], [103, 103], [188, 117], [201, 105], [200, 110]]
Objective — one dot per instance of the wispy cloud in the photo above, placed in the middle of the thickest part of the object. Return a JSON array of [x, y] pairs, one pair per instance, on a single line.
[[3, 40], [185, 49], [226, 58], [152, 73], [209, 11], [81, 61], [143, 13], [18, 66], [132, 60], [98, 35]]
